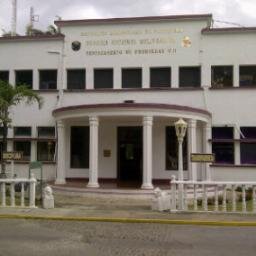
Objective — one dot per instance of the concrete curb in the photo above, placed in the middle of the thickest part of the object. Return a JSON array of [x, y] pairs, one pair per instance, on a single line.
[[134, 220]]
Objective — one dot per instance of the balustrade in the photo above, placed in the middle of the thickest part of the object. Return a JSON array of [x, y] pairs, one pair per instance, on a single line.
[[216, 196], [8, 192]]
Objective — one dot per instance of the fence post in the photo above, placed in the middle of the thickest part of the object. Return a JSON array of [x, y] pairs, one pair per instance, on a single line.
[[243, 199], [216, 199], [12, 194], [233, 198], [195, 197], [3, 191], [205, 203], [22, 203], [173, 194], [224, 201], [32, 191], [185, 197], [254, 199]]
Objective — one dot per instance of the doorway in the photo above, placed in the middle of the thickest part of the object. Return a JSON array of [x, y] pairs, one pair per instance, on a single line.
[[129, 144]]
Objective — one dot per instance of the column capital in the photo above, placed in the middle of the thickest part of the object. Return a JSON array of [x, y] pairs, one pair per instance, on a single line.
[[207, 126], [147, 120], [192, 123], [60, 124], [93, 120]]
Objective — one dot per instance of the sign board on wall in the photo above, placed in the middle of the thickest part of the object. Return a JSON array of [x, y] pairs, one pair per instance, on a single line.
[[12, 155], [202, 158]]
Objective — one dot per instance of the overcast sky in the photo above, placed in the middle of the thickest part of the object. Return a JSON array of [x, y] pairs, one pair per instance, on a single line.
[[236, 11]]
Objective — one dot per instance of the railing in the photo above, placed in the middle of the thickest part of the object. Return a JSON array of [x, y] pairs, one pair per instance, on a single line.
[[8, 192], [216, 196]]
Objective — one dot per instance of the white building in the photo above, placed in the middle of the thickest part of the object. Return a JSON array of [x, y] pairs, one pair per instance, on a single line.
[[113, 89]]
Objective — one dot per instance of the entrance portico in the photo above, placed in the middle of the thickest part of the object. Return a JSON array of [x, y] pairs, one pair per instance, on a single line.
[[103, 121]]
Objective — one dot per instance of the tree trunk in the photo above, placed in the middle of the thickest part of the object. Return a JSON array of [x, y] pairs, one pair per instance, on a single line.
[[4, 149]]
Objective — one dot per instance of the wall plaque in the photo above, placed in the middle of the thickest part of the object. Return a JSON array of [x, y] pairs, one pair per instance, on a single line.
[[106, 152], [202, 158]]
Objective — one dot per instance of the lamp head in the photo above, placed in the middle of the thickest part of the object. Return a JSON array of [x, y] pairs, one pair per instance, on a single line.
[[180, 128]]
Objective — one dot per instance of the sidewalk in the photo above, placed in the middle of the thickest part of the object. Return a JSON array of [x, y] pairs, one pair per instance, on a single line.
[[109, 208]]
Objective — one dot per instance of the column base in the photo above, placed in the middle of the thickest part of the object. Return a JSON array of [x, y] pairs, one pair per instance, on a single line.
[[147, 186], [93, 185], [60, 182]]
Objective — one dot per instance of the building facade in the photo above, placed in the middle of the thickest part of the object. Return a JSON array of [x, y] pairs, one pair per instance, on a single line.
[[113, 89]]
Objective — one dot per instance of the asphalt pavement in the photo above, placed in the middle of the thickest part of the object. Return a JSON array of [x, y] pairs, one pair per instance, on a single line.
[[34, 237]]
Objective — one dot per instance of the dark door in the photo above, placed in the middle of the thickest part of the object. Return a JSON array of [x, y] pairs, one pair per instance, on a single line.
[[130, 155]]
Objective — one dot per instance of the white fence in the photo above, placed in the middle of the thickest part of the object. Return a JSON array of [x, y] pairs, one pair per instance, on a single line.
[[9, 195], [213, 196]]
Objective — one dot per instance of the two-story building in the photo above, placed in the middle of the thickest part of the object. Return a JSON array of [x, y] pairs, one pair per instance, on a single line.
[[113, 89]]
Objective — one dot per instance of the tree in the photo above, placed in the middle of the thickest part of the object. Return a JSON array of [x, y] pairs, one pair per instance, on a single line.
[[11, 96]]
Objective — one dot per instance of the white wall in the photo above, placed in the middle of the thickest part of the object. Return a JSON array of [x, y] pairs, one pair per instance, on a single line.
[[227, 106], [108, 140]]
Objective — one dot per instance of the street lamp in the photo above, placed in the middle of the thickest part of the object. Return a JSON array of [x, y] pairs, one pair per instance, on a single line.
[[180, 128]]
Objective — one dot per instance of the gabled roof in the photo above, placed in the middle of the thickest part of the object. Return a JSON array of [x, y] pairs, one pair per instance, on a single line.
[[207, 17]]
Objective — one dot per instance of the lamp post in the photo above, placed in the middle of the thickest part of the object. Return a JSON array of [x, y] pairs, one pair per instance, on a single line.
[[180, 128]]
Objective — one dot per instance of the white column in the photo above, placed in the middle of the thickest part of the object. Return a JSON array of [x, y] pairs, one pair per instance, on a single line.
[[35, 79], [10, 144], [207, 148], [192, 167], [117, 78], [89, 78], [93, 163], [33, 150], [175, 76], [145, 77], [237, 145], [206, 78], [236, 75], [12, 77], [147, 152], [61, 167]]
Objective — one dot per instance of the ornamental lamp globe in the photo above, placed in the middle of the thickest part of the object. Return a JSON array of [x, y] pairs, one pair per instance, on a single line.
[[180, 128]]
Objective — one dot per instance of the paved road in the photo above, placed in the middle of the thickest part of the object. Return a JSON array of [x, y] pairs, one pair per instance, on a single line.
[[26, 237]]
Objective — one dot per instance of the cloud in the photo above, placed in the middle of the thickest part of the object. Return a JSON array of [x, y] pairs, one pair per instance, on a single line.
[[238, 11]]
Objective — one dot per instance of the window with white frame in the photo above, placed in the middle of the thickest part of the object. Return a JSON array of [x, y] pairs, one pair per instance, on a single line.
[[223, 144]]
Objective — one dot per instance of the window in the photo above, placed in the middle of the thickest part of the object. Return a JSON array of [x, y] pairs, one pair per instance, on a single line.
[[79, 147], [23, 146], [103, 78], [24, 77], [131, 78], [1, 150], [224, 147], [247, 75], [48, 79], [46, 149], [190, 77], [160, 77], [172, 150], [4, 76], [76, 79], [22, 131], [222, 76], [248, 149], [46, 132]]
